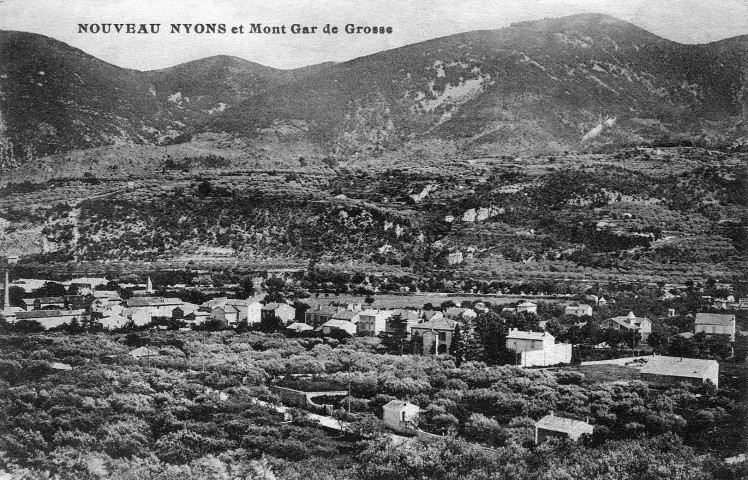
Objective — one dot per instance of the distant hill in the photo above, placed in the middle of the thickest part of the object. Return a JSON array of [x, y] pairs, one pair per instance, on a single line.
[[55, 98], [585, 82], [539, 86]]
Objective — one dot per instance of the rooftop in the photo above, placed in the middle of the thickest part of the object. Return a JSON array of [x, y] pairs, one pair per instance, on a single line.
[[46, 314], [152, 301], [678, 366], [721, 319], [399, 404], [440, 323], [345, 315], [524, 335], [274, 306], [560, 424]]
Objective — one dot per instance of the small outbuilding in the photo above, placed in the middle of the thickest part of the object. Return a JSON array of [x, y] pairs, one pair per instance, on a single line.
[[560, 427], [401, 416], [61, 366], [143, 352], [299, 327]]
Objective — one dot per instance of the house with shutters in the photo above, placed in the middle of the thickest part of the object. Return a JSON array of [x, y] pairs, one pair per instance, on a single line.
[[372, 322], [434, 335], [227, 315], [281, 310], [319, 314]]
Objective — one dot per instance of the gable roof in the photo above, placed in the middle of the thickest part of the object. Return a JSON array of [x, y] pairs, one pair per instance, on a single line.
[[582, 306], [338, 324], [440, 323], [275, 306], [527, 304], [401, 404], [45, 314], [152, 302], [560, 424], [50, 299], [299, 327], [721, 319], [678, 366], [324, 310], [345, 315], [409, 315]]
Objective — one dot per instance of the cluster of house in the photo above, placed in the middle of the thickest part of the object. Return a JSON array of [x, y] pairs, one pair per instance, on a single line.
[[403, 417]]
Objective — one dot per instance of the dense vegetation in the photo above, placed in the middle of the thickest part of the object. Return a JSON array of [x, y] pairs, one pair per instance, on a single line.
[[116, 418], [665, 215]]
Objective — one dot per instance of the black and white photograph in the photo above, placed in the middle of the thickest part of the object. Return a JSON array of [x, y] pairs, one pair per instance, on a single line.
[[374, 240]]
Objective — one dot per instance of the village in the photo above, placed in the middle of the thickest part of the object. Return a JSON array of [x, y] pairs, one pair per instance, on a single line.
[[93, 305]]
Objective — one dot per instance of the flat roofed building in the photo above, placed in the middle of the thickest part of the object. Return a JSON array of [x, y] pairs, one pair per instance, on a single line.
[[561, 427], [666, 370]]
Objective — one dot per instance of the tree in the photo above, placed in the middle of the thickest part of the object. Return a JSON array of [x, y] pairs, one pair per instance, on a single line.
[[458, 347], [657, 340], [247, 285], [275, 288], [741, 348], [50, 289], [491, 330], [271, 324], [398, 332], [204, 189]]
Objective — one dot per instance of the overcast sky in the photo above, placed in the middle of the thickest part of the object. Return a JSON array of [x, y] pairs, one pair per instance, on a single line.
[[686, 21]]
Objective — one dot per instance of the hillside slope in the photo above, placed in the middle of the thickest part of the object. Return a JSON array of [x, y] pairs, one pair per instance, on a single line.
[[55, 98], [535, 87]]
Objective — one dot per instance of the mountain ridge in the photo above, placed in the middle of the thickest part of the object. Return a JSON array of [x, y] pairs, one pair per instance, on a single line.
[[543, 86]]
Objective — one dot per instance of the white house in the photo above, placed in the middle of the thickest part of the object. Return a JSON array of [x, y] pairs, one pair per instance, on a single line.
[[372, 322], [580, 310], [537, 348], [560, 427], [401, 416], [156, 306], [113, 321], [527, 307], [331, 325]]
